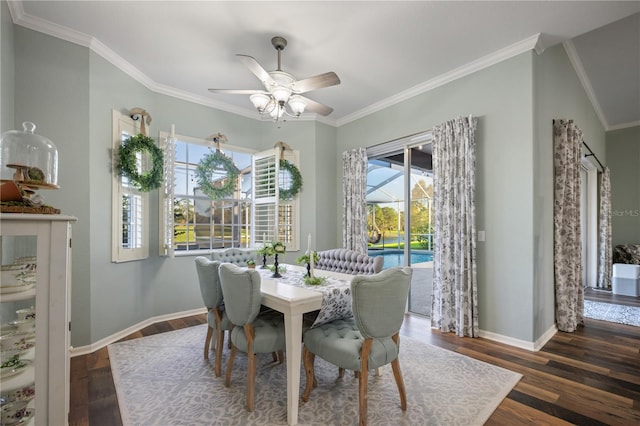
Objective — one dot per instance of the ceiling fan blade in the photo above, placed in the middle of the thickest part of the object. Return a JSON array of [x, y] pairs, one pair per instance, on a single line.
[[317, 107], [236, 91], [316, 82], [257, 70]]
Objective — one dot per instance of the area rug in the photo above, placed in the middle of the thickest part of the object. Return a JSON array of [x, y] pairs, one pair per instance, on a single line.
[[629, 315], [164, 380]]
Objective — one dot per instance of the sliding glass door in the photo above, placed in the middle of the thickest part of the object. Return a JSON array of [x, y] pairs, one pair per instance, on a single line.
[[400, 212]]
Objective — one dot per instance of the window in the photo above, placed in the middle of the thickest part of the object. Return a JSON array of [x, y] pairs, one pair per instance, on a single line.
[[192, 223], [130, 207]]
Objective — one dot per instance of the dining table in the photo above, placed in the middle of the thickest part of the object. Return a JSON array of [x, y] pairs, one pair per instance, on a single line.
[[291, 296]]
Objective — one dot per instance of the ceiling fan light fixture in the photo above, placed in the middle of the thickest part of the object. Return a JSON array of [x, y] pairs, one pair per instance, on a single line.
[[297, 104], [277, 112], [259, 101], [281, 94]]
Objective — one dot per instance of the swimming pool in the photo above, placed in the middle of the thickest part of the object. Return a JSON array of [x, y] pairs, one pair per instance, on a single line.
[[396, 257]]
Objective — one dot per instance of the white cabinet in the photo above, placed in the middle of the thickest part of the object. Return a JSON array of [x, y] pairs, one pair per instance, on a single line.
[[42, 245]]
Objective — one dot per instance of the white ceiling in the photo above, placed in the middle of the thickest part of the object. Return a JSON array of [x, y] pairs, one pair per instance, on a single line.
[[383, 51]]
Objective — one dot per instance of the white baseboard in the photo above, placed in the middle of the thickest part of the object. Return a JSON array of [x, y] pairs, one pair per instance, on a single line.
[[83, 350], [523, 344]]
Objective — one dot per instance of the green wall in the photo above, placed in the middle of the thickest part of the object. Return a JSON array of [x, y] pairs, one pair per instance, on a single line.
[[501, 97], [6, 69], [558, 94], [623, 159]]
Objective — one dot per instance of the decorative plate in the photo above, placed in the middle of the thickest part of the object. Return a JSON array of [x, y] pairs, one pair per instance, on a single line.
[[26, 393], [16, 288], [20, 350], [13, 370], [28, 414]]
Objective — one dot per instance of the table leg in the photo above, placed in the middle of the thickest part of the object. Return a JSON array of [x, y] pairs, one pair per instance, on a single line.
[[293, 331]]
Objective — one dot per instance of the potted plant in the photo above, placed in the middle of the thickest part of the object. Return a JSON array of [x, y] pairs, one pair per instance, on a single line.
[[251, 264]]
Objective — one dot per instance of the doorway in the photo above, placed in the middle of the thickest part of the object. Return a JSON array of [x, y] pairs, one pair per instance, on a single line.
[[400, 212]]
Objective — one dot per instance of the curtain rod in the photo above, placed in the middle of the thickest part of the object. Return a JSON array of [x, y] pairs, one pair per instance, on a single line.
[[592, 154]]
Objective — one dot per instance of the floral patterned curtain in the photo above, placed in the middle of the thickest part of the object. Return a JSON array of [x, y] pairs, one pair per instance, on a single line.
[[567, 244], [354, 188], [604, 263], [455, 289]]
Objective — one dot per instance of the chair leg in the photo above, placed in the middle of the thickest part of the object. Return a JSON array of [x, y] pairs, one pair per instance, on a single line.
[[397, 374], [219, 344], [395, 365], [280, 357], [274, 356], [207, 342], [364, 377], [308, 358], [251, 366], [251, 379], [340, 372], [232, 357]]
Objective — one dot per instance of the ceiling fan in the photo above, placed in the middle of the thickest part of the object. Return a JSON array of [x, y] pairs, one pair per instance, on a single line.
[[282, 94]]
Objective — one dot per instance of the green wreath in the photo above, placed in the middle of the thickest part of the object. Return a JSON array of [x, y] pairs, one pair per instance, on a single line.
[[296, 180], [128, 163], [207, 165]]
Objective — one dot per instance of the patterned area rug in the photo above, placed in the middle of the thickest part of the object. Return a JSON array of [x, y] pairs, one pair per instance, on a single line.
[[163, 380], [629, 315]]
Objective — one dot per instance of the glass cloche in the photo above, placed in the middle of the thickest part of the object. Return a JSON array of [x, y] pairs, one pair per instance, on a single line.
[[28, 159]]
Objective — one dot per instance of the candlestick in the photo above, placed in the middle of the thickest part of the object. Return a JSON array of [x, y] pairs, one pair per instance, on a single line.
[[311, 261]]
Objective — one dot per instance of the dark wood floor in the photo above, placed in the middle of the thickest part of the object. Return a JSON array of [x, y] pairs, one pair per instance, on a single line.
[[590, 377]]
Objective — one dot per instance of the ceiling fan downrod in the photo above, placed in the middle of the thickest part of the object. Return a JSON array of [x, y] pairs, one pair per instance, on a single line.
[[279, 43]]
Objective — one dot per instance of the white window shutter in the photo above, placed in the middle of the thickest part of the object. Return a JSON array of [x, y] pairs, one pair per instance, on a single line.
[[265, 167], [167, 199]]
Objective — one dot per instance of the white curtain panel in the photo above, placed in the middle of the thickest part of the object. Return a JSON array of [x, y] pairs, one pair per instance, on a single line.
[[567, 244], [604, 263], [354, 188], [455, 289]]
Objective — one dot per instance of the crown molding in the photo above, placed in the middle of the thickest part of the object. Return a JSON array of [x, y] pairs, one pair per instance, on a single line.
[[570, 49], [33, 23], [462, 71], [624, 125]]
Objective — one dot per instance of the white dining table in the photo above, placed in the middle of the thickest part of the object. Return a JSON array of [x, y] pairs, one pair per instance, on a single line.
[[294, 302]]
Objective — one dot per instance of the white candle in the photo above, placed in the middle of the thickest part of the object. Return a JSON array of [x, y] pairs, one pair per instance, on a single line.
[[309, 243], [173, 131], [264, 238]]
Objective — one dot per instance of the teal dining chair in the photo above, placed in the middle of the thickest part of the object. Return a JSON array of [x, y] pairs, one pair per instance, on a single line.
[[368, 340], [253, 332], [217, 319]]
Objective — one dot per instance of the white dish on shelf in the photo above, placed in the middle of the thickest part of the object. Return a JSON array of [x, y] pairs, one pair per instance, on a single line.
[[16, 287], [20, 351], [25, 325], [24, 418], [25, 393], [26, 313], [15, 340], [12, 371]]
